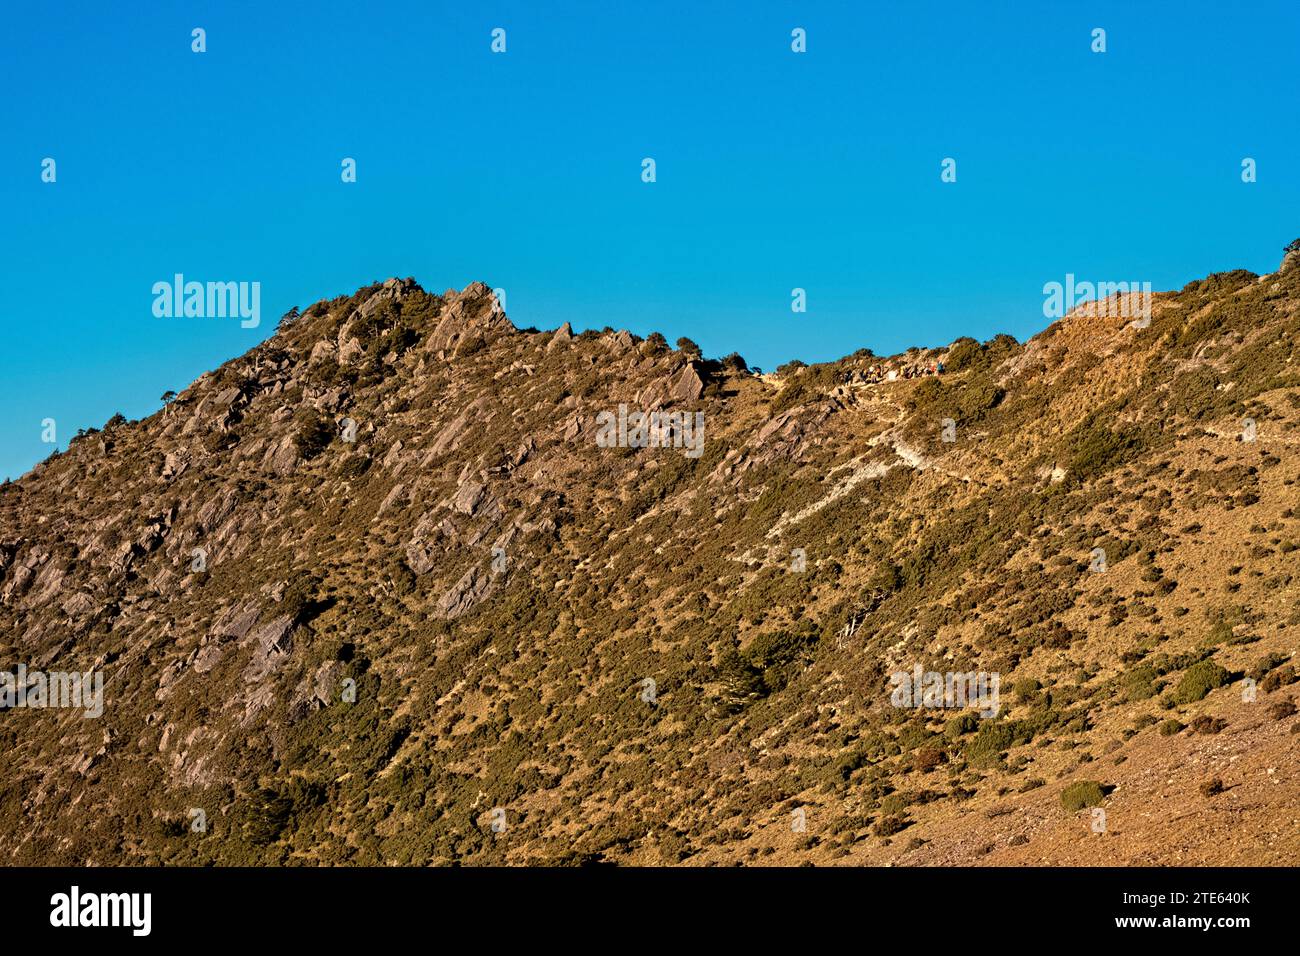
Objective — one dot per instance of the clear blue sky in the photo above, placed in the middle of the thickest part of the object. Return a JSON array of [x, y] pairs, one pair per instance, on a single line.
[[775, 170]]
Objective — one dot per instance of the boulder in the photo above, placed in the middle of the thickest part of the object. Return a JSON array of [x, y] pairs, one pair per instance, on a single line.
[[468, 497], [420, 558]]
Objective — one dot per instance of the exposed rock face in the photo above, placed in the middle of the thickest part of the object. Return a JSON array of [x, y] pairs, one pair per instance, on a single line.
[[174, 464], [420, 557], [283, 458], [469, 591], [468, 496], [560, 338], [270, 643], [321, 689], [471, 321], [688, 387], [400, 495]]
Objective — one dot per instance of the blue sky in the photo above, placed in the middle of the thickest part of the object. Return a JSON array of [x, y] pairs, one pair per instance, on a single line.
[[775, 170]]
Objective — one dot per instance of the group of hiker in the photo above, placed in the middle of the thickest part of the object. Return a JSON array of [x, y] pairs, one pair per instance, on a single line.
[[885, 373]]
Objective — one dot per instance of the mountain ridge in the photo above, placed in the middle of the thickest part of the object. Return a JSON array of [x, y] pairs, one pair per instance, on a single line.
[[498, 589]]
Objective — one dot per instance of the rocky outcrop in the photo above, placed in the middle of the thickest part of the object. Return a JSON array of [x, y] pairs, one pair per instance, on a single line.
[[560, 338], [688, 386], [320, 689], [468, 592], [270, 644], [470, 320]]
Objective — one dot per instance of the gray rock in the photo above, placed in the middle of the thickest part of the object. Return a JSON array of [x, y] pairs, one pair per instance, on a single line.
[[689, 386], [468, 497], [467, 593], [236, 623], [420, 558], [283, 457], [560, 338], [271, 644]]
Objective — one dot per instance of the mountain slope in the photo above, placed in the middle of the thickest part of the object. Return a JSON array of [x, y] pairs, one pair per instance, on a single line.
[[374, 592]]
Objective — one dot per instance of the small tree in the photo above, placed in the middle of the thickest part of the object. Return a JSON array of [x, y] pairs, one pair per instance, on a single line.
[[313, 433], [1293, 247], [689, 347], [735, 362]]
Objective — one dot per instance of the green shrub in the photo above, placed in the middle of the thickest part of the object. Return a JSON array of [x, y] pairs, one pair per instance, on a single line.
[[992, 738], [1082, 793], [300, 599], [914, 736], [265, 816], [1097, 448], [977, 398], [894, 804], [889, 825], [962, 354], [1198, 680], [960, 725], [791, 394], [780, 656], [313, 433], [1139, 683], [1027, 688], [1220, 633]]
